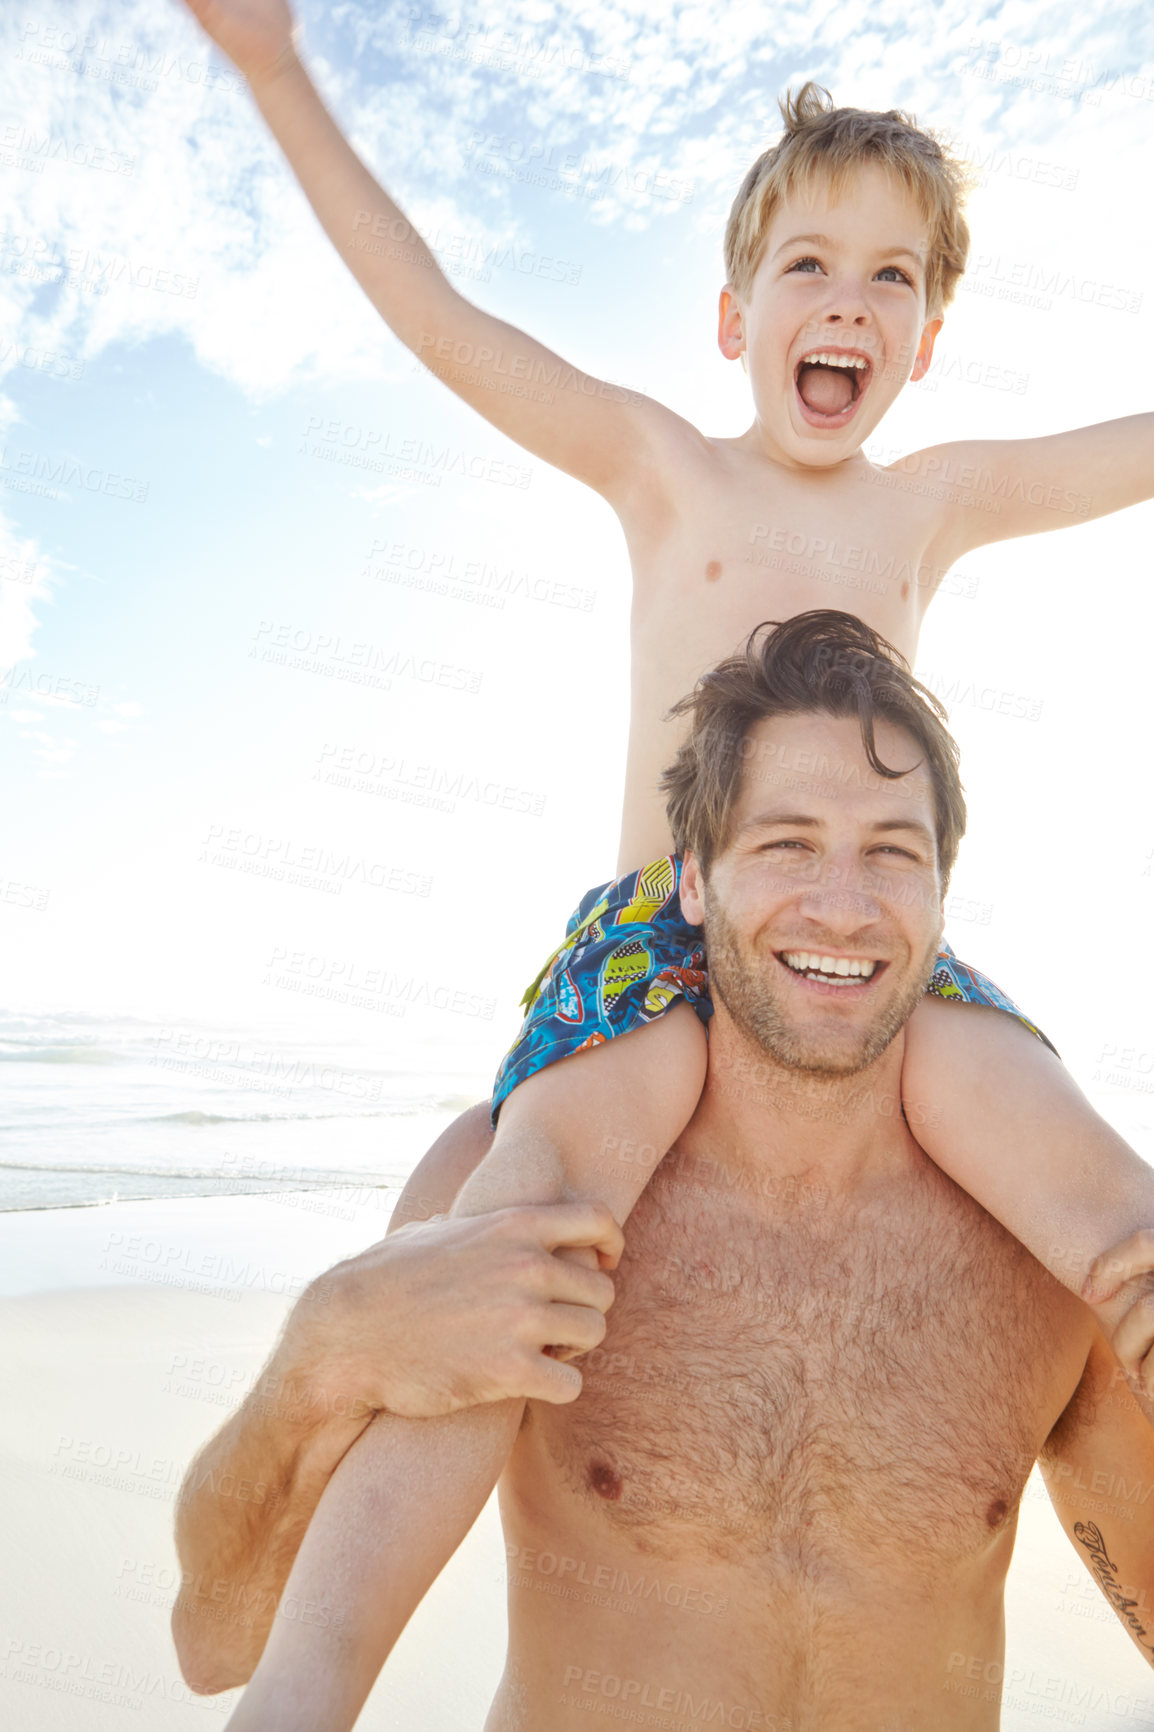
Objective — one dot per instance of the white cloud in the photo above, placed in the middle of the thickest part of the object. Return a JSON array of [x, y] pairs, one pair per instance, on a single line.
[[208, 236], [25, 579], [49, 750]]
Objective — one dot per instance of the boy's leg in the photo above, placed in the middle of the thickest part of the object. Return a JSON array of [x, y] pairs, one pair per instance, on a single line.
[[998, 1111], [593, 1126], [609, 1064]]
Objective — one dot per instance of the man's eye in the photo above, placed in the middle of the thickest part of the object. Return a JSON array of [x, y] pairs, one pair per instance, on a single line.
[[790, 842], [804, 265], [899, 853], [892, 274]]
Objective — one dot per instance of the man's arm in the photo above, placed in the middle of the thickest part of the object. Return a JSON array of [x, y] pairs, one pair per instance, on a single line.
[[406, 1495], [1098, 1464], [383, 1331], [999, 488], [602, 434]]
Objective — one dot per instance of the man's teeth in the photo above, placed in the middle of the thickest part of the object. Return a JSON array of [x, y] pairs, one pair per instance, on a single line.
[[804, 962], [822, 358]]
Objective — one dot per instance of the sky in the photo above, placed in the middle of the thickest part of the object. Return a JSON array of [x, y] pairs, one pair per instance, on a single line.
[[311, 681]]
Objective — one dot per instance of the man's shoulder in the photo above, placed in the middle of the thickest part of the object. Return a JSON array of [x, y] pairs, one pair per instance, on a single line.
[[439, 1175], [1097, 1384]]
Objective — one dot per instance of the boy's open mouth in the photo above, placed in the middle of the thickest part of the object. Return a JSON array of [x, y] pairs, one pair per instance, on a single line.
[[830, 383]]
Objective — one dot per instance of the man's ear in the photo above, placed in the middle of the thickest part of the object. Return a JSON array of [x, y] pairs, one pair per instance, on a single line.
[[693, 890], [925, 352], [730, 330]]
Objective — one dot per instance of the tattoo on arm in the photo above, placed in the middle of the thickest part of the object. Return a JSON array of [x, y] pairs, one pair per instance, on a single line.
[[1105, 1570]]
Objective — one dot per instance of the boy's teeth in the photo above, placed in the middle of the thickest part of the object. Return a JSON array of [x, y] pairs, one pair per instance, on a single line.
[[805, 962], [821, 358]]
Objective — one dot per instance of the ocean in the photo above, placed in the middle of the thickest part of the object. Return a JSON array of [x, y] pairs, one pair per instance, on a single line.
[[97, 1109], [100, 1109]]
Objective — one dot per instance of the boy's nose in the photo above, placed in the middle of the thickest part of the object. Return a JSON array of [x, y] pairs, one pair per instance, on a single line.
[[847, 305], [848, 312]]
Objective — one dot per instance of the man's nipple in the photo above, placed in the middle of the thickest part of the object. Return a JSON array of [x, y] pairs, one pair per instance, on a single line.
[[713, 571], [604, 1480]]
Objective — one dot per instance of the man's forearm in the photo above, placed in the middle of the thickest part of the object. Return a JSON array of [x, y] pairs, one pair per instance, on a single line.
[[400, 1503], [243, 1510], [372, 235], [395, 1511]]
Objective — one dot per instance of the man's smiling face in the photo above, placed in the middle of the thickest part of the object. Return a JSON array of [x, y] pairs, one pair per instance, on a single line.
[[823, 913], [834, 323]]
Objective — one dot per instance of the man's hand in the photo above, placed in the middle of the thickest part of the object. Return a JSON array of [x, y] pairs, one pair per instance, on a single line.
[[257, 35], [447, 1314], [1133, 1336], [440, 1315]]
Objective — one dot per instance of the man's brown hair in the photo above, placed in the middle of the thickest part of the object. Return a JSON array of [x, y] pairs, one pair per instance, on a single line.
[[836, 142], [826, 661]]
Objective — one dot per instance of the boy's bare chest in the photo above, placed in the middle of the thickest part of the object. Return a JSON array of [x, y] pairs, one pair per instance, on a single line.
[[740, 550], [784, 1388], [729, 549]]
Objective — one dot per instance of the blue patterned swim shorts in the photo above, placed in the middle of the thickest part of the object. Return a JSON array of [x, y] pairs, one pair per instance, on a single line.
[[629, 954]]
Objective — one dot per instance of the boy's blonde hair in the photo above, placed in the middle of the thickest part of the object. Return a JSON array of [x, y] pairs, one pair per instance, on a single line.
[[822, 139]]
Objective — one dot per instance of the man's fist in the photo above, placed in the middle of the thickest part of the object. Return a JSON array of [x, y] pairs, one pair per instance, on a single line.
[[449, 1313]]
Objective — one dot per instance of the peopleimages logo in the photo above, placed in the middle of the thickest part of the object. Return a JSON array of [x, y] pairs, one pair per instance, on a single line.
[[369, 988]]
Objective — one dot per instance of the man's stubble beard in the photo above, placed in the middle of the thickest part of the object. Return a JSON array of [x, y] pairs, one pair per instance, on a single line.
[[744, 985]]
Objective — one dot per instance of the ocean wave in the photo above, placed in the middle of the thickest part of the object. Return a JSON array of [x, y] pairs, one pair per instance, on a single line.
[[320, 1178], [82, 1053], [394, 1110]]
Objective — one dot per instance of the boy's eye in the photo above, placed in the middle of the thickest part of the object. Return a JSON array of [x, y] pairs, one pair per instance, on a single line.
[[891, 273], [804, 265]]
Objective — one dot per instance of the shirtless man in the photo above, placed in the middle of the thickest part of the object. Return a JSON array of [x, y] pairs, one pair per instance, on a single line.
[[788, 1493]]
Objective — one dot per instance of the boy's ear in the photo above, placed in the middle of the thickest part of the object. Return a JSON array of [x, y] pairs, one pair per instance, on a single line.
[[693, 890], [925, 352], [730, 330]]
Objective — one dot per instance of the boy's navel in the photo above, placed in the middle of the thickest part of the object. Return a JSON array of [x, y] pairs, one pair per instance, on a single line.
[[713, 571]]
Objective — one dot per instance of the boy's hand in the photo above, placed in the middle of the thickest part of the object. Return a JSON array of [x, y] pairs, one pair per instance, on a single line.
[[1133, 1338], [448, 1314], [257, 35]]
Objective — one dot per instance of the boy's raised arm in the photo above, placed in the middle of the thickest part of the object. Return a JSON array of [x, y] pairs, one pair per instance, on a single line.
[[595, 431], [999, 488]]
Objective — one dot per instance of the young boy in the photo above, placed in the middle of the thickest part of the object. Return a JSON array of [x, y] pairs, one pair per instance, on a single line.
[[843, 249]]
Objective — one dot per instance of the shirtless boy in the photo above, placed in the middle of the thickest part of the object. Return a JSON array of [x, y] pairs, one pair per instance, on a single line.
[[843, 250]]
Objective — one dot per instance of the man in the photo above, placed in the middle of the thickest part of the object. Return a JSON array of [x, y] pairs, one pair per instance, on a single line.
[[787, 1494]]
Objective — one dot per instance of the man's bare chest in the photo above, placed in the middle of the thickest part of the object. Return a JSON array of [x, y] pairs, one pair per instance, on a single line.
[[784, 1386]]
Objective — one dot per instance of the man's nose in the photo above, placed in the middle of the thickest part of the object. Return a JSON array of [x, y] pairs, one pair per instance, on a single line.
[[840, 899]]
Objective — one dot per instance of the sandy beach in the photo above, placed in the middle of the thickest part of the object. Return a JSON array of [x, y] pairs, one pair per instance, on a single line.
[[128, 1331]]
